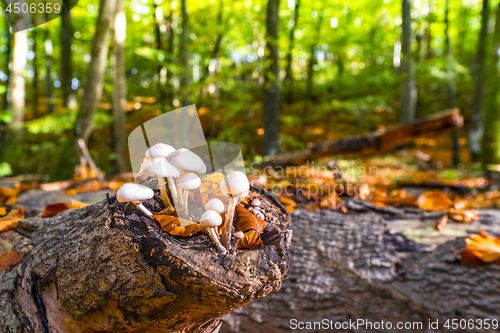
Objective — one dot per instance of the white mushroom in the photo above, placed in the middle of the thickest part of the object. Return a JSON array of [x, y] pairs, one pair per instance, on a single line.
[[235, 185], [210, 220], [136, 194], [237, 236], [159, 150], [215, 204], [188, 181], [187, 160], [161, 168]]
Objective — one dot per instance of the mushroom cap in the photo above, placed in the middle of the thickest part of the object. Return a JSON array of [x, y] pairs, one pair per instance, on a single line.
[[189, 181], [134, 192], [203, 169], [159, 150], [239, 234], [238, 184], [210, 219], [161, 167], [215, 204], [185, 159], [145, 163]]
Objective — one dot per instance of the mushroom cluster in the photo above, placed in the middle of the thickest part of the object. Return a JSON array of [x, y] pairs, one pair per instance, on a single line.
[[181, 168]]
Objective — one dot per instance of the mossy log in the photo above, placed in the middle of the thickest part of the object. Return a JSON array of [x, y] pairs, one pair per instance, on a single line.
[[109, 268]]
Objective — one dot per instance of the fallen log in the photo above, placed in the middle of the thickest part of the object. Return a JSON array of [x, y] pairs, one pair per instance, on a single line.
[[352, 267], [380, 140], [109, 268]]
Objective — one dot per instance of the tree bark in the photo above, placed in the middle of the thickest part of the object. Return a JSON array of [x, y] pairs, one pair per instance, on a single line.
[[491, 138], [450, 85], [380, 140], [186, 69], [162, 71], [6, 96], [35, 64], [66, 71], [288, 81], [408, 110], [48, 72], [18, 82], [476, 127], [272, 90], [120, 88], [108, 267], [354, 267]]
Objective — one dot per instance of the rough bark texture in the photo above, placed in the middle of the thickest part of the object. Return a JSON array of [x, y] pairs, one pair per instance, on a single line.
[[354, 267], [379, 140], [108, 268], [48, 72], [65, 55]]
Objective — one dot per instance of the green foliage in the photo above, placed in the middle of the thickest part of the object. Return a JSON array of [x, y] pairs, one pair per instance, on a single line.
[[5, 169]]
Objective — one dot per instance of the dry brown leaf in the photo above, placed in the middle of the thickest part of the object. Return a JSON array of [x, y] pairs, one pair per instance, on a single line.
[[463, 215], [364, 191], [250, 240], [3, 211], [247, 221], [344, 209], [378, 203], [59, 207], [434, 201], [439, 225], [289, 204], [330, 201], [10, 259], [11, 220], [483, 246], [313, 207], [176, 226]]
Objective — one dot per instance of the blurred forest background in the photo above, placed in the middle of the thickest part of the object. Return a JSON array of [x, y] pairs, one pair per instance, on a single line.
[[269, 75]]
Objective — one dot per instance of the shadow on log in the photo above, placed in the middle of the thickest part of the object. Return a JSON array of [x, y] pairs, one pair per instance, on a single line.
[[108, 268], [348, 267]]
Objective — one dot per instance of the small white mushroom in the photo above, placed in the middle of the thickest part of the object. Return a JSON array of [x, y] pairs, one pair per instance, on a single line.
[[237, 236], [159, 150], [215, 204], [235, 185], [187, 160], [188, 181], [161, 168], [136, 194], [210, 220]]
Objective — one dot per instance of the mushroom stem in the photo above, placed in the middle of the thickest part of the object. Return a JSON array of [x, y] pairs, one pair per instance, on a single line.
[[144, 209], [226, 231], [215, 238], [172, 187], [186, 199], [163, 191]]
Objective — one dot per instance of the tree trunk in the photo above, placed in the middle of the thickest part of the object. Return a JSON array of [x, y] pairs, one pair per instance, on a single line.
[[48, 72], [186, 70], [18, 81], [120, 88], [6, 96], [272, 93], [491, 138], [108, 268], [35, 65], [288, 82], [380, 140], [407, 112], [218, 40], [66, 71], [356, 267], [476, 124], [452, 93], [430, 17], [162, 71]]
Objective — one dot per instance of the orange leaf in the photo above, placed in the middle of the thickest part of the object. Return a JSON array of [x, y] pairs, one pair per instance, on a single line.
[[439, 225], [484, 246], [313, 207], [378, 203], [59, 207], [75, 204], [11, 220], [247, 221], [364, 191], [330, 201], [434, 201], [3, 211], [463, 215], [176, 226], [288, 203], [250, 240], [10, 259], [344, 209]]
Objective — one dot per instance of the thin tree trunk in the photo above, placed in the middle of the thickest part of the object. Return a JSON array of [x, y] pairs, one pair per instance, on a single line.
[[18, 82], [452, 93], [48, 72], [430, 17], [162, 72], [35, 64], [491, 138], [66, 71], [119, 89], [218, 41], [186, 70], [170, 51], [476, 126], [272, 92], [288, 82], [5, 102], [407, 112]]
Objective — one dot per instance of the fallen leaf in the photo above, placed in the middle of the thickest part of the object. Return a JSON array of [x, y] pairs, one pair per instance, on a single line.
[[378, 203], [10, 259], [3, 211], [59, 207], [11, 220], [177, 226], [463, 215], [439, 225], [313, 207], [247, 221], [250, 240], [434, 201], [364, 191], [289, 204], [483, 246], [344, 209], [330, 201]]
